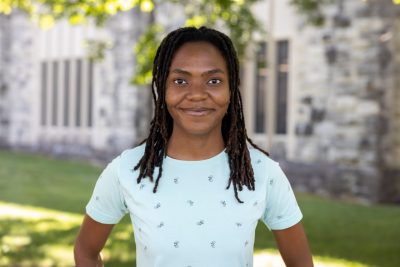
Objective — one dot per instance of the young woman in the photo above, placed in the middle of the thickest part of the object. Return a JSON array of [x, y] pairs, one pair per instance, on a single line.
[[193, 188]]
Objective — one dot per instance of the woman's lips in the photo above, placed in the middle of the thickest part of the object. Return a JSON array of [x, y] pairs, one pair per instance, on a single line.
[[196, 112]]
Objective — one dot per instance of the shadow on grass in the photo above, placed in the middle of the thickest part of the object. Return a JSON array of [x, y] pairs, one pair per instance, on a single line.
[[36, 237]]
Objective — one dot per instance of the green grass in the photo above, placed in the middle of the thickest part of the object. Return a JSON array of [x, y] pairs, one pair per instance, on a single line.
[[42, 201]]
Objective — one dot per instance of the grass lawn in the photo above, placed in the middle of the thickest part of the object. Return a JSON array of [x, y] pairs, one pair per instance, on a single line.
[[42, 201]]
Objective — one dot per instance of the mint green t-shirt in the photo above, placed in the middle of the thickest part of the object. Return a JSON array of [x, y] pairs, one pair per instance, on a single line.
[[192, 219]]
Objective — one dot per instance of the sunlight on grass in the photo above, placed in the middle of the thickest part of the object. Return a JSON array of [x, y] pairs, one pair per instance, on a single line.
[[15, 211], [36, 233], [271, 258]]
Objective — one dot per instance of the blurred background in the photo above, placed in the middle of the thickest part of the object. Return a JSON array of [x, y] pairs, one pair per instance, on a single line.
[[320, 83]]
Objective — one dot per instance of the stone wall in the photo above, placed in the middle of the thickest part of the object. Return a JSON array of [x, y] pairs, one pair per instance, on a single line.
[[343, 112], [4, 87], [18, 73]]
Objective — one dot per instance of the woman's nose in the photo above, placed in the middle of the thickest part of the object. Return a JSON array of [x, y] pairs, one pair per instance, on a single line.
[[197, 91]]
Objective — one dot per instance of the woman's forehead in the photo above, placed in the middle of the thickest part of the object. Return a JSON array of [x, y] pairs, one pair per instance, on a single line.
[[200, 56]]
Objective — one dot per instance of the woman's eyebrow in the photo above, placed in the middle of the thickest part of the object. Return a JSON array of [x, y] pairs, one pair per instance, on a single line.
[[213, 71]]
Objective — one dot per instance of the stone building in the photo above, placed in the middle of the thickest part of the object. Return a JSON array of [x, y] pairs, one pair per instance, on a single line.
[[335, 112]]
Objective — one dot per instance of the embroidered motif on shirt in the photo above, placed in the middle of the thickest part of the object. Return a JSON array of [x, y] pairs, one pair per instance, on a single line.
[[246, 243], [212, 244], [157, 205], [176, 244], [258, 161], [160, 225], [255, 203], [271, 182], [223, 202], [238, 224], [201, 222], [210, 178], [190, 202], [141, 186], [176, 180]]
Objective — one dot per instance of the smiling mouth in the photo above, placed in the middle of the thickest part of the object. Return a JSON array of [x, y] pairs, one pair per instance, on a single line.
[[196, 111]]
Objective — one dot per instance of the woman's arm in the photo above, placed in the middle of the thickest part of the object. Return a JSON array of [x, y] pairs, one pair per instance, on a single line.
[[293, 246], [90, 241]]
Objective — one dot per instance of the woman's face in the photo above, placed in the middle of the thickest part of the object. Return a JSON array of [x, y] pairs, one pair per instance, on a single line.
[[197, 90]]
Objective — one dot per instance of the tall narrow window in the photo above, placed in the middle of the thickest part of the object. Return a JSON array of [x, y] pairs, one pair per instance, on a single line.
[[62, 84], [55, 94], [260, 87], [66, 92], [78, 92], [90, 94], [43, 105], [282, 87]]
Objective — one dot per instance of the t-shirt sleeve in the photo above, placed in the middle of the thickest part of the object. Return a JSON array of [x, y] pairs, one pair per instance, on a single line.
[[107, 204], [282, 210]]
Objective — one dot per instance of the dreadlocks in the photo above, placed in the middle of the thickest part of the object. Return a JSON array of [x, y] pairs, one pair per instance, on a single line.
[[233, 126]]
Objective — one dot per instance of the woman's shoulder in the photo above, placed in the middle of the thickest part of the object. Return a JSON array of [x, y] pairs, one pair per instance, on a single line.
[[132, 155], [259, 158]]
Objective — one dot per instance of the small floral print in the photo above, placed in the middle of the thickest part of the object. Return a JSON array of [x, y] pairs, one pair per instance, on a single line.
[[212, 244], [271, 182], [201, 222], [258, 161], [210, 178], [255, 203], [176, 244], [238, 224], [223, 202], [97, 198], [176, 180], [160, 225], [279, 217], [190, 202], [142, 186], [246, 243], [157, 205]]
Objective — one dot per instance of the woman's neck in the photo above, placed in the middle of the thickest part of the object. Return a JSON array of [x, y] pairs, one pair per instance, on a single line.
[[194, 147]]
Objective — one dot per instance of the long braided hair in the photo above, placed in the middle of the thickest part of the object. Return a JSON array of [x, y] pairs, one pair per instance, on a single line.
[[233, 126]]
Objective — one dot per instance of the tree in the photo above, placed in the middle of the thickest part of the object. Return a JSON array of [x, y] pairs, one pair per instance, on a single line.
[[235, 15]]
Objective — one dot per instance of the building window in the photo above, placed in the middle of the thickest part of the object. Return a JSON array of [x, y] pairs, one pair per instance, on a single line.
[[54, 101], [90, 95], [78, 83], [260, 88], [66, 91], [43, 113], [64, 79], [282, 78]]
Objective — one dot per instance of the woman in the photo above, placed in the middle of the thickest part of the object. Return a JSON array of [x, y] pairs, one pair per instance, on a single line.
[[193, 189]]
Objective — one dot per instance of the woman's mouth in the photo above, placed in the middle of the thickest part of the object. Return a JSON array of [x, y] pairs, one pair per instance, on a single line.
[[196, 111]]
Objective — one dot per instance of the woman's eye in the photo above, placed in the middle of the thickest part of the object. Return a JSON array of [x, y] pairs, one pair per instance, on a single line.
[[214, 81], [180, 81]]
